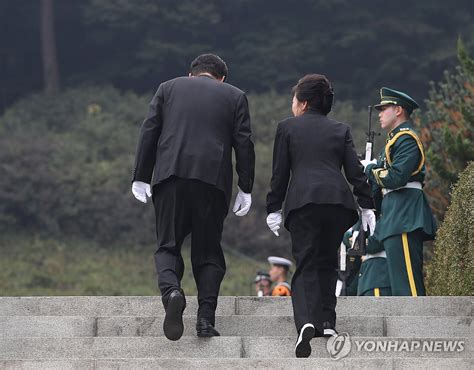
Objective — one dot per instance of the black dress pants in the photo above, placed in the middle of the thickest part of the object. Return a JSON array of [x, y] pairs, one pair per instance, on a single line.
[[182, 207], [316, 233]]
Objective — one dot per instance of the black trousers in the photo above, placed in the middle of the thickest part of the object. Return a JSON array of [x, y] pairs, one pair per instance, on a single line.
[[182, 207], [316, 233]]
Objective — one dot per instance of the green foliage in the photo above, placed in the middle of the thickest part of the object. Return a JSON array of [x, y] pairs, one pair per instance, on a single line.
[[137, 44], [34, 265], [451, 271], [447, 127], [66, 164]]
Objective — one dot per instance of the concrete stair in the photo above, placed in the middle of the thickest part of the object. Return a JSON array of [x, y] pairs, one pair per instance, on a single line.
[[126, 333]]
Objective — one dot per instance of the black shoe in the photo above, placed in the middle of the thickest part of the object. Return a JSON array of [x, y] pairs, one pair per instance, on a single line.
[[329, 329], [303, 346], [173, 324], [205, 329]]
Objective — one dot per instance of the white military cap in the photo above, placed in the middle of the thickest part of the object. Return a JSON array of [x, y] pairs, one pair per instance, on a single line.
[[279, 261]]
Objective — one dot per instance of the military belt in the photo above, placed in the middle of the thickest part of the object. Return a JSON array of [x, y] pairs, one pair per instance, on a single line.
[[381, 254], [409, 185]]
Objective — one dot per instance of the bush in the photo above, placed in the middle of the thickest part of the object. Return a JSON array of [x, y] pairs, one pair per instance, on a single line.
[[451, 271], [66, 164]]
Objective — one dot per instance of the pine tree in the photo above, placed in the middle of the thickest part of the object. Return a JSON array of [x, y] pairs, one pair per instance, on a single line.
[[446, 130]]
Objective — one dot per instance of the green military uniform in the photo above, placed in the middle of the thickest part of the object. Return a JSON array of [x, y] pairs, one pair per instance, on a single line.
[[374, 278], [406, 219]]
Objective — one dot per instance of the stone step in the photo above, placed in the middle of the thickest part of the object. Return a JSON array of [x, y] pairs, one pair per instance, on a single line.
[[151, 306], [223, 347], [230, 363], [233, 325]]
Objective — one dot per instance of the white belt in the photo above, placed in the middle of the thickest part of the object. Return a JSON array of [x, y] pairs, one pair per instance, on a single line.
[[381, 254], [409, 185]]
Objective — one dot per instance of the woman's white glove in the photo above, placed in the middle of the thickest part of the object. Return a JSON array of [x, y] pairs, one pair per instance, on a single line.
[[274, 221], [242, 201], [141, 190], [368, 219]]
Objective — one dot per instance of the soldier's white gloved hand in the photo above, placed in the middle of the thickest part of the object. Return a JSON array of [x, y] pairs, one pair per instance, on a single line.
[[365, 162], [242, 204], [141, 190], [274, 221], [368, 219]]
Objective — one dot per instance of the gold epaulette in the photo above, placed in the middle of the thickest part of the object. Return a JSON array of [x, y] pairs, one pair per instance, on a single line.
[[392, 141]]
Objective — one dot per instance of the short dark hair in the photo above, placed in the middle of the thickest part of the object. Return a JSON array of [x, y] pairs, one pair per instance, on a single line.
[[317, 91], [209, 63]]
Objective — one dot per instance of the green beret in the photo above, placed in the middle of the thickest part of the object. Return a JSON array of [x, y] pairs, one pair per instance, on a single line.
[[394, 97]]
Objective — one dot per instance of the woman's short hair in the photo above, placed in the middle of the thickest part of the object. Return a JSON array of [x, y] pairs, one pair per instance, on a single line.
[[317, 91]]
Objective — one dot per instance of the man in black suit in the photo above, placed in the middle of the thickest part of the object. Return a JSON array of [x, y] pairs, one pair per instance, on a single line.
[[184, 154], [310, 151]]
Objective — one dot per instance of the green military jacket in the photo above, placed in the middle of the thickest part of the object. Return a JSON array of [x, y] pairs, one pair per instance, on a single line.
[[402, 160], [373, 274]]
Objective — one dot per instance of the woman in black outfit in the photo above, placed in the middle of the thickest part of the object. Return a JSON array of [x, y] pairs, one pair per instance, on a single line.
[[309, 152]]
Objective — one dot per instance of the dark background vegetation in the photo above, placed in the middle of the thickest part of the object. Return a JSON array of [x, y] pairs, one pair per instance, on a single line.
[[74, 88]]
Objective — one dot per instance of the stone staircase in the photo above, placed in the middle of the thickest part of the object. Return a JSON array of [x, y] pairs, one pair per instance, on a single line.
[[126, 333]]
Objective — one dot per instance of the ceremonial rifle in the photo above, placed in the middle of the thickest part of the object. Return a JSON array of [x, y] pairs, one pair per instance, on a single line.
[[358, 248]]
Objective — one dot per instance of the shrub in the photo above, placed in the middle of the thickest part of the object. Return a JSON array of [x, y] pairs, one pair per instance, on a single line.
[[451, 271]]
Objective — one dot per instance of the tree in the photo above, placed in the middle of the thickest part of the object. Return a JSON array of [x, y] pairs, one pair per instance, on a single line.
[[446, 129], [48, 48]]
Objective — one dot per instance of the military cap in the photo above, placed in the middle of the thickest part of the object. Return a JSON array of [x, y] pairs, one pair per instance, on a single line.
[[394, 97], [262, 275], [279, 261]]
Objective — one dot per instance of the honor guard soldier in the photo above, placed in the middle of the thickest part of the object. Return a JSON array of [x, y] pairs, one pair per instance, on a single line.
[[279, 270], [405, 219]]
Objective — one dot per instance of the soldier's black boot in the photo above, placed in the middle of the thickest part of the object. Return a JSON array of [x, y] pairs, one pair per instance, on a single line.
[[173, 325], [204, 328]]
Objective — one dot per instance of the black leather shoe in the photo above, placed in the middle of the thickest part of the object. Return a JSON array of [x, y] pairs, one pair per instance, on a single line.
[[329, 329], [205, 329], [173, 324], [303, 345]]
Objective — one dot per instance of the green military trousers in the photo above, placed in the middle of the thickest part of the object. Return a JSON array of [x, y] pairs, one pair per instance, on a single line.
[[405, 263]]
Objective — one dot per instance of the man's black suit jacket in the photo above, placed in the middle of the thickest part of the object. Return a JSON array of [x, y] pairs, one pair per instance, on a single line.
[[191, 127], [312, 149]]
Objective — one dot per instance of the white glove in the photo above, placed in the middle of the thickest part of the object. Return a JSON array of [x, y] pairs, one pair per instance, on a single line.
[[274, 221], [365, 162], [368, 220], [242, 201], [141, 190]]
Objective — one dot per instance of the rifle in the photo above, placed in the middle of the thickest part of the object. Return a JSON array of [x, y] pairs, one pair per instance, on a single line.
[[358, 248]]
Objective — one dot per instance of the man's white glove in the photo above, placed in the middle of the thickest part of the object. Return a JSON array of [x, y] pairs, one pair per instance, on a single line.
[[141, 190], [368, 219], [365, 162], [242, 204], [274, 221]]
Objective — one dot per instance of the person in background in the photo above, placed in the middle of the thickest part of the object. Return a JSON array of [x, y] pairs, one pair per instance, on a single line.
[[309, 154], [279, 270], [263, 284]]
